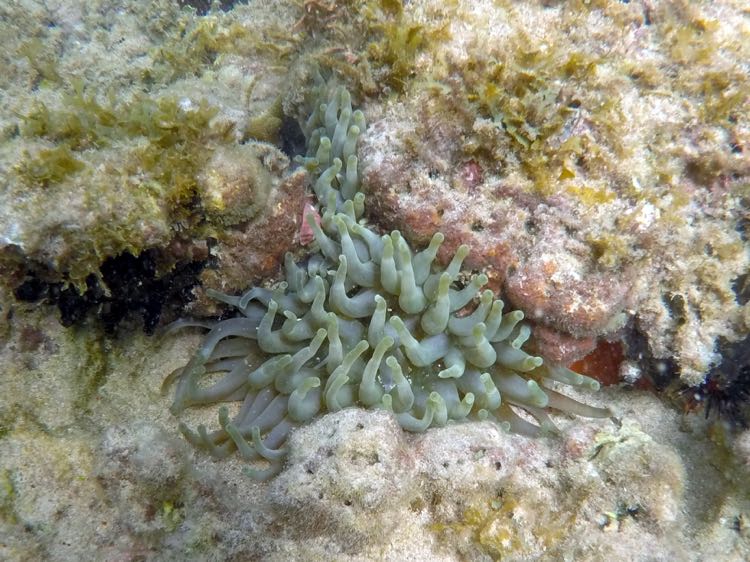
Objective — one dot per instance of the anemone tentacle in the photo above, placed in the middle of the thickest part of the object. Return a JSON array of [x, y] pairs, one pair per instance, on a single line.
[[367, 321]]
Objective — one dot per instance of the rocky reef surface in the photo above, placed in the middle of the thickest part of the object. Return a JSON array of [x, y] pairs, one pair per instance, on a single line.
[[124, 130], [92, 466], [600, 184], [594, 155]]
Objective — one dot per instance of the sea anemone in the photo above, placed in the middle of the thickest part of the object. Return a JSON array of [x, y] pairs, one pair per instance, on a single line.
[[365, 321]]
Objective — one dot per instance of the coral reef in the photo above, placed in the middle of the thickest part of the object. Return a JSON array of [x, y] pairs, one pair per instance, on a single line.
[[592, 181], [159, 143], [621, 492], [367, 321], [644, 194], [113, 486]]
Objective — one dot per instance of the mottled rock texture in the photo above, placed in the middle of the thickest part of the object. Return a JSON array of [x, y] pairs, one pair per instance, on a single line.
[[602, 145], [560, 144], [101, 472], [118, 136]]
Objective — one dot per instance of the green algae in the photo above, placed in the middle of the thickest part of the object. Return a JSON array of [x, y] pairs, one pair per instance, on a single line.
[[266, 125], [493, 528], [40, 60], [48, 166], [7, 497], [198, 43], [382, 42], [125, 146], [171, 515], [396, 50], [536, 93], [175, 137], [163, 141], [91, 376]]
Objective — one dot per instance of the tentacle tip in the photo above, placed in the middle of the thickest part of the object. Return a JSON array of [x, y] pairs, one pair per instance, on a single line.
[[361, 347], [434, 398], [396, 321], [387, 402], [224, 417]]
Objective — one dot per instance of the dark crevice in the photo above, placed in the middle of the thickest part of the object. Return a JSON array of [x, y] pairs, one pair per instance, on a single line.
[[129, 287]]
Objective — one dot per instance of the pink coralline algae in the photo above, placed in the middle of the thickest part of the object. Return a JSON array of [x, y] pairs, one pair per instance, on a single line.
[[305, 234], [520, 240]]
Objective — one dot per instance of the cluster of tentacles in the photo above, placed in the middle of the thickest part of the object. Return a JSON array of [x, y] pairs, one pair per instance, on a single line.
[[364, 321]]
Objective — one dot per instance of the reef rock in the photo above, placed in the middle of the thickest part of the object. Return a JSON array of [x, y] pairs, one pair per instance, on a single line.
[[532, 135], [148, 138]]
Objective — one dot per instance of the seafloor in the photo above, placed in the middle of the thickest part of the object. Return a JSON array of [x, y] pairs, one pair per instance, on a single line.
[[595, 156]]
